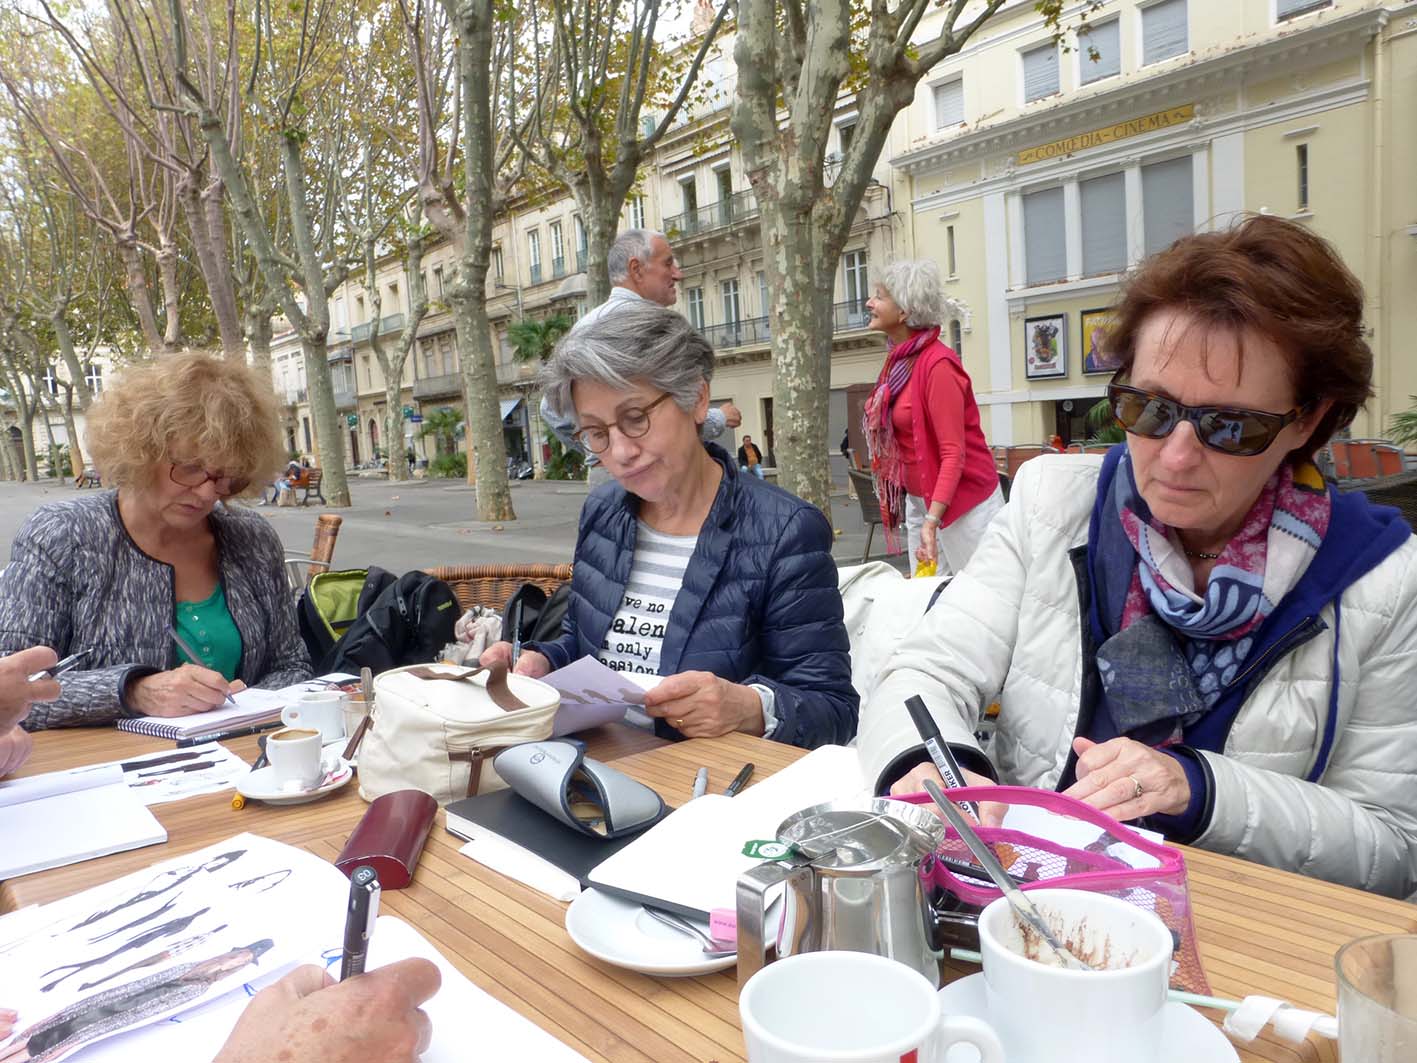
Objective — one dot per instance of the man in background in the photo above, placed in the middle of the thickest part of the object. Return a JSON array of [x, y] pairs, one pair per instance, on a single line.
[[750, 458]]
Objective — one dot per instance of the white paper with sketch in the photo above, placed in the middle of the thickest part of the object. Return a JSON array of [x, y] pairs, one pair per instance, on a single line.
[[164, 939], [460, 1012], [592, 694], [692, 858], [171, 776]]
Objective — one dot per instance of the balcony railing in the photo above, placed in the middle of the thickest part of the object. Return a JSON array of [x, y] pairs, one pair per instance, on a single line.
[[536, 273], [294, 396], [390, 323], [345, 397], [516, 372], [736, 209], [846, 316], [437, 387], [558, 267]]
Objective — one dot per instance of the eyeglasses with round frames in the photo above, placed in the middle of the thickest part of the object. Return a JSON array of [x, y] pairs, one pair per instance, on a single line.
[[194, 474], [632, 423], [1226, 429]]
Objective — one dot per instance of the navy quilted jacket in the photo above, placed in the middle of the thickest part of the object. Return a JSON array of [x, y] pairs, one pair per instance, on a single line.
[[759, 603]]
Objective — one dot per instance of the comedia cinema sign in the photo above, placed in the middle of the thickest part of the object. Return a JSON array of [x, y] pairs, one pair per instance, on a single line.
[[1108, 134]]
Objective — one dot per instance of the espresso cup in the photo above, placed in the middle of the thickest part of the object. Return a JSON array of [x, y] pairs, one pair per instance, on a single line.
[[320, 709], [1046, 1012], [294, 753], [852, 1007]]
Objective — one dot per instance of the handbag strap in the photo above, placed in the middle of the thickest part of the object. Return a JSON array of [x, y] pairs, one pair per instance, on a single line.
[[497, 686]]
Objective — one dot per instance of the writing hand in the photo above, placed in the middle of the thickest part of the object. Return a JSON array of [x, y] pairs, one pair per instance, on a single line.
[[183, 691]]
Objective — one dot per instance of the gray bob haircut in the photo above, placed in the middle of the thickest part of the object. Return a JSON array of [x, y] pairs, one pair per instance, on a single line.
[[636, 341], [914, 284], [632, 243]]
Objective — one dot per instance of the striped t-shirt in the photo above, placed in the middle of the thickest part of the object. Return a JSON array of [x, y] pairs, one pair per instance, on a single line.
[[636, 634]]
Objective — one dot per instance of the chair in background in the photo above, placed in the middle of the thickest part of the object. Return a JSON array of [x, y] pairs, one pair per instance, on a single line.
[[312, 486], [865, 485], [300, 567], [1015, 456], [1362, 461], [1391, 460], [1342, 465], [1074, 448], [491, 585], [1399, 491], [1004, 484]]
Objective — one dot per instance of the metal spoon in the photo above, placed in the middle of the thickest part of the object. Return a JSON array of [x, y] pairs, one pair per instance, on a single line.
[[711, 947], [1018, 900]]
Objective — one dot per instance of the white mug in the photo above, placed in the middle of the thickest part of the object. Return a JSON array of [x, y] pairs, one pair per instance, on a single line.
[[852, 1007], [320, 709], [1044, 1012], [294, 754]]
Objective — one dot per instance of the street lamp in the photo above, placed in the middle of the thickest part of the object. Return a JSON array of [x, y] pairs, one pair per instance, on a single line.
[[521, 313]]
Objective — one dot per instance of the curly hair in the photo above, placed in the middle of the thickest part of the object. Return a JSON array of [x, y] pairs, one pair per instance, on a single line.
[[914, 285], [188, 407], [1274, 277]]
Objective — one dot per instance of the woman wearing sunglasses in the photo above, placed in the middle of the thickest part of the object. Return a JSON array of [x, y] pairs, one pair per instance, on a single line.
[[118, 573], [685, 567], [1197, 631]]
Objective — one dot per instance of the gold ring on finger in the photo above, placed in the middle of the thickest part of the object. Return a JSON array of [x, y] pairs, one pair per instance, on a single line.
[[1137, 790]]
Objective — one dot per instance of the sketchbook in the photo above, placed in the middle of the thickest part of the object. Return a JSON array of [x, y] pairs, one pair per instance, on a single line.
[[248, 708], [68, 817]]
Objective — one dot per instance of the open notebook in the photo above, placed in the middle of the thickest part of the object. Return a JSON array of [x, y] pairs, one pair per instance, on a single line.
[[689, 862], [247, 708], [65, 817]]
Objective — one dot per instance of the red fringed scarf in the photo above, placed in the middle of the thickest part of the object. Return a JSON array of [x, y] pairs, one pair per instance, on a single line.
[[886, 464]]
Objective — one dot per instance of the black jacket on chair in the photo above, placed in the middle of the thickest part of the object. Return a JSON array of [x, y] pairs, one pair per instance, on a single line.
[[759, 602]]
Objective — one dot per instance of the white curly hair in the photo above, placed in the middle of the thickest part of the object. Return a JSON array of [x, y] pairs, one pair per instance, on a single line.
[[914, 285]]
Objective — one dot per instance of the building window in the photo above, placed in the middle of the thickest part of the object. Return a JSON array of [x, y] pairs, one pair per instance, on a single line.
[[1040, 72], [1163, 31], [497, 271], [558, 251], [51, 382], [690, 190], [763, 299], [448, 351], [93, 376], [1167, 209], [843, 134], [359, 309], [368, 372], [581, 244], [1104, 224], [732, 310], [1100, 51], [1287, 9], [695, 297], [533, 249], [950, 251], [949, 103], [957, 337], [853, 268], [438, 275], [1301, 157], [1044, 237], [637, 212]]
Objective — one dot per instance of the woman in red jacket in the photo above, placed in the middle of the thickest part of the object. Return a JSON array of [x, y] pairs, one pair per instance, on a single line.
[[933, 469]]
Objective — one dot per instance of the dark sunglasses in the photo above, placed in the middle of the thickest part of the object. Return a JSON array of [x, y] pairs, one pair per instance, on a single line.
[[194, 475], [1226, 429]]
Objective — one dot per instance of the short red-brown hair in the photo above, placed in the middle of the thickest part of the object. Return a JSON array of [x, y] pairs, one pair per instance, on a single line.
[[1277, 278]]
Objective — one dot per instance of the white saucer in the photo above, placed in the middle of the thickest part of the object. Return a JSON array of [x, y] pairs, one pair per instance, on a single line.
[[1190, 1037], [623, 933], [260, 785]]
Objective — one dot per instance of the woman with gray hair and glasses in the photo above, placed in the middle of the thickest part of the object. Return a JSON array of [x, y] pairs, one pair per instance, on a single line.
[[934, 471], [684, 568]]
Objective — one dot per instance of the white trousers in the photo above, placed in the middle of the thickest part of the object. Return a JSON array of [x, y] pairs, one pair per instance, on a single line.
[[953, 545]]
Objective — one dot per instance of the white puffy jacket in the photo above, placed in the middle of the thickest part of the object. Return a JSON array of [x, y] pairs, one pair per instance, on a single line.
[[1009, 625]]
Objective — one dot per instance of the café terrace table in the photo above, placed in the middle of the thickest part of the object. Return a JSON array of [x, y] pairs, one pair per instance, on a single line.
[[1260, 930]]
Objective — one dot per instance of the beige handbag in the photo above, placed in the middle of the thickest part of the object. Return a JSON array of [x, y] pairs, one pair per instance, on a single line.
[[436, 728]]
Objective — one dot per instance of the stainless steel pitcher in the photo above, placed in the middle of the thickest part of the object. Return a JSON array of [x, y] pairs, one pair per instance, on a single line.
[[852, 883]]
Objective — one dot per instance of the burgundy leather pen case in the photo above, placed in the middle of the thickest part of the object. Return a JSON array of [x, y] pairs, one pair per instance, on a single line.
[[390, 837]]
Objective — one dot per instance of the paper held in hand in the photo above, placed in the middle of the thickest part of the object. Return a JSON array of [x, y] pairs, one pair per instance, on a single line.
[[592, 694]]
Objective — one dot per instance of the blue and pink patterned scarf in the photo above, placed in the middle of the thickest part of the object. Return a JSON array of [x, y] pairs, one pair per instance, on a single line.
[[1175, 652]]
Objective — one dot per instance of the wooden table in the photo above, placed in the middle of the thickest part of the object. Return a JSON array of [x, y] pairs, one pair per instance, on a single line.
[[1260, 930]]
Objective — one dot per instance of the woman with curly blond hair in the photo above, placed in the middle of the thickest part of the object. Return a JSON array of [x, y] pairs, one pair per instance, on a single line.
[[119, 573]]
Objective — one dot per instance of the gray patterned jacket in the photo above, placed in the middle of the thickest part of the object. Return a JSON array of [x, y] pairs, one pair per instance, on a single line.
[[76, 580]]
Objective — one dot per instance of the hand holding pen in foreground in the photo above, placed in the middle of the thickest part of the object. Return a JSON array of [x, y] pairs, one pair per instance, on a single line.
[[17, 691]]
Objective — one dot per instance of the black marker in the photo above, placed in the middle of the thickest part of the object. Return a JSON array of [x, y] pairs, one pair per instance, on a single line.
[[359, 920], [740, 780], [222, 736], [944, 760], [61, 666]]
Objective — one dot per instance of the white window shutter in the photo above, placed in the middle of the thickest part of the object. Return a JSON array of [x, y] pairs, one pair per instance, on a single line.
[[1044, 237], [1167, 210], [1104, 225], [1163, 31], [1106, 41], [949, 103], [1040, 72]]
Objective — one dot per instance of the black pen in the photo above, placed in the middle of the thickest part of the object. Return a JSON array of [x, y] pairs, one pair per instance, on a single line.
[[222, 736], [517, 631], [359, 920], [62, 666], [950, 771], [740, 780]]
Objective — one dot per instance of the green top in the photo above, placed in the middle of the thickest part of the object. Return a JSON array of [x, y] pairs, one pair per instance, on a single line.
[[209, 629]]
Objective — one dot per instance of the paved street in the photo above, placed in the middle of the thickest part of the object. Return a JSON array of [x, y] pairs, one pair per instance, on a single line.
[[423, 523]]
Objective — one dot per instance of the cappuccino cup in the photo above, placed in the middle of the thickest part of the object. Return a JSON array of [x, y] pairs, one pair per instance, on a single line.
[[294, 753]]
